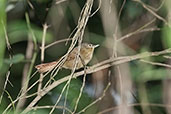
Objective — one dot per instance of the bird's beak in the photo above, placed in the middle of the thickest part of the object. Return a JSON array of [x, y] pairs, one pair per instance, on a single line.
[[95, 46]]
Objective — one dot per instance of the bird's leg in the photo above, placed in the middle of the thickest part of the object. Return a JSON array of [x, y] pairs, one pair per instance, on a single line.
[[83, 63]]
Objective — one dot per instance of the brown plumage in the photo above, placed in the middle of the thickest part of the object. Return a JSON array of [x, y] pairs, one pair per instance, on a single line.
[[86, 54]]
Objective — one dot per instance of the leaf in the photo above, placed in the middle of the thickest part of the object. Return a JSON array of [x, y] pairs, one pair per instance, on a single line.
[[18, 31], [73, 94], [155, 74], [16, 59], [166, 34], [2, 33]]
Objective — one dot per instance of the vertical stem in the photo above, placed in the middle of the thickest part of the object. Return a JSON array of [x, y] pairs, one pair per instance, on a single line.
[[2, 40], [167, 82], [42, 55], [25, 78], [2, 34], [143, 98], [30, 54]]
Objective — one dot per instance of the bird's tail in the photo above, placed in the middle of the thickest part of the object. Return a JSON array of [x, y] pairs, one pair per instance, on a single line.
[[44, 67]]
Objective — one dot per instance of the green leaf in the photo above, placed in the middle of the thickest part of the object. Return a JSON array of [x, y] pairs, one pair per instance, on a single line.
[[16, 59], [2, 32], [18, 31], [166, 34], [73, 94], [155, 74]]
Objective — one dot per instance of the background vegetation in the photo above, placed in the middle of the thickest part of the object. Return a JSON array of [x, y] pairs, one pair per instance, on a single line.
[[129, 72]]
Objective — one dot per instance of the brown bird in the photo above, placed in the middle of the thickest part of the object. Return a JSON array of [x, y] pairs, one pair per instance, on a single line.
[[86, 54]]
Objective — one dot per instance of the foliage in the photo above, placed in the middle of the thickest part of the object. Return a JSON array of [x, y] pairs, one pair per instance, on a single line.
[[43, 31]]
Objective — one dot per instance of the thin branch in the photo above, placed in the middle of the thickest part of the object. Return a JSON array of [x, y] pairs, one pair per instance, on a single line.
[[100, 3], [30, 54], [10, 57], [60, 1], [139, 30], [10, 97], [151, 11], [136, 104], [30, 4], [115, 34], [57, 107], [94, 102], [45, 27], [156, 63], [81, 91], [159, 7], [167, 57], [56, 42]]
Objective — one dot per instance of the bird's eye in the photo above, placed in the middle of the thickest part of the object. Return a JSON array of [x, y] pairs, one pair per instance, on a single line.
[[90, 45]]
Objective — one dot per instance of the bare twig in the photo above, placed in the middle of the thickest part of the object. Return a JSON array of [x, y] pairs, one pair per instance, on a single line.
[[29, 53], [81, 91], [10, 56], [167, 57], [94, 102], [30, 4], [156, 63], [159, 7], [60, 1], [151, 11], [10, 97], [57, 107], [45, 27], [56, 42], [100, 2], [139, 30], [28, 66], [115, 34], [136, 104]]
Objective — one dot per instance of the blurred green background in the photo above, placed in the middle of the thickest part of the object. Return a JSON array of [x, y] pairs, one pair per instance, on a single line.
[[21, 22]]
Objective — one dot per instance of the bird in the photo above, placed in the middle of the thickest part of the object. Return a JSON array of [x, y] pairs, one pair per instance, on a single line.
[[86, 54]]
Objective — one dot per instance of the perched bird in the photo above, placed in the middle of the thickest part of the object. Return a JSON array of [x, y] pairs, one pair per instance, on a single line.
[[86, 54]]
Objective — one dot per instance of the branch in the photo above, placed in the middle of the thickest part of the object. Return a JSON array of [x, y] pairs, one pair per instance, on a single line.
[[134, 105], [151, 11], [45, 27]]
